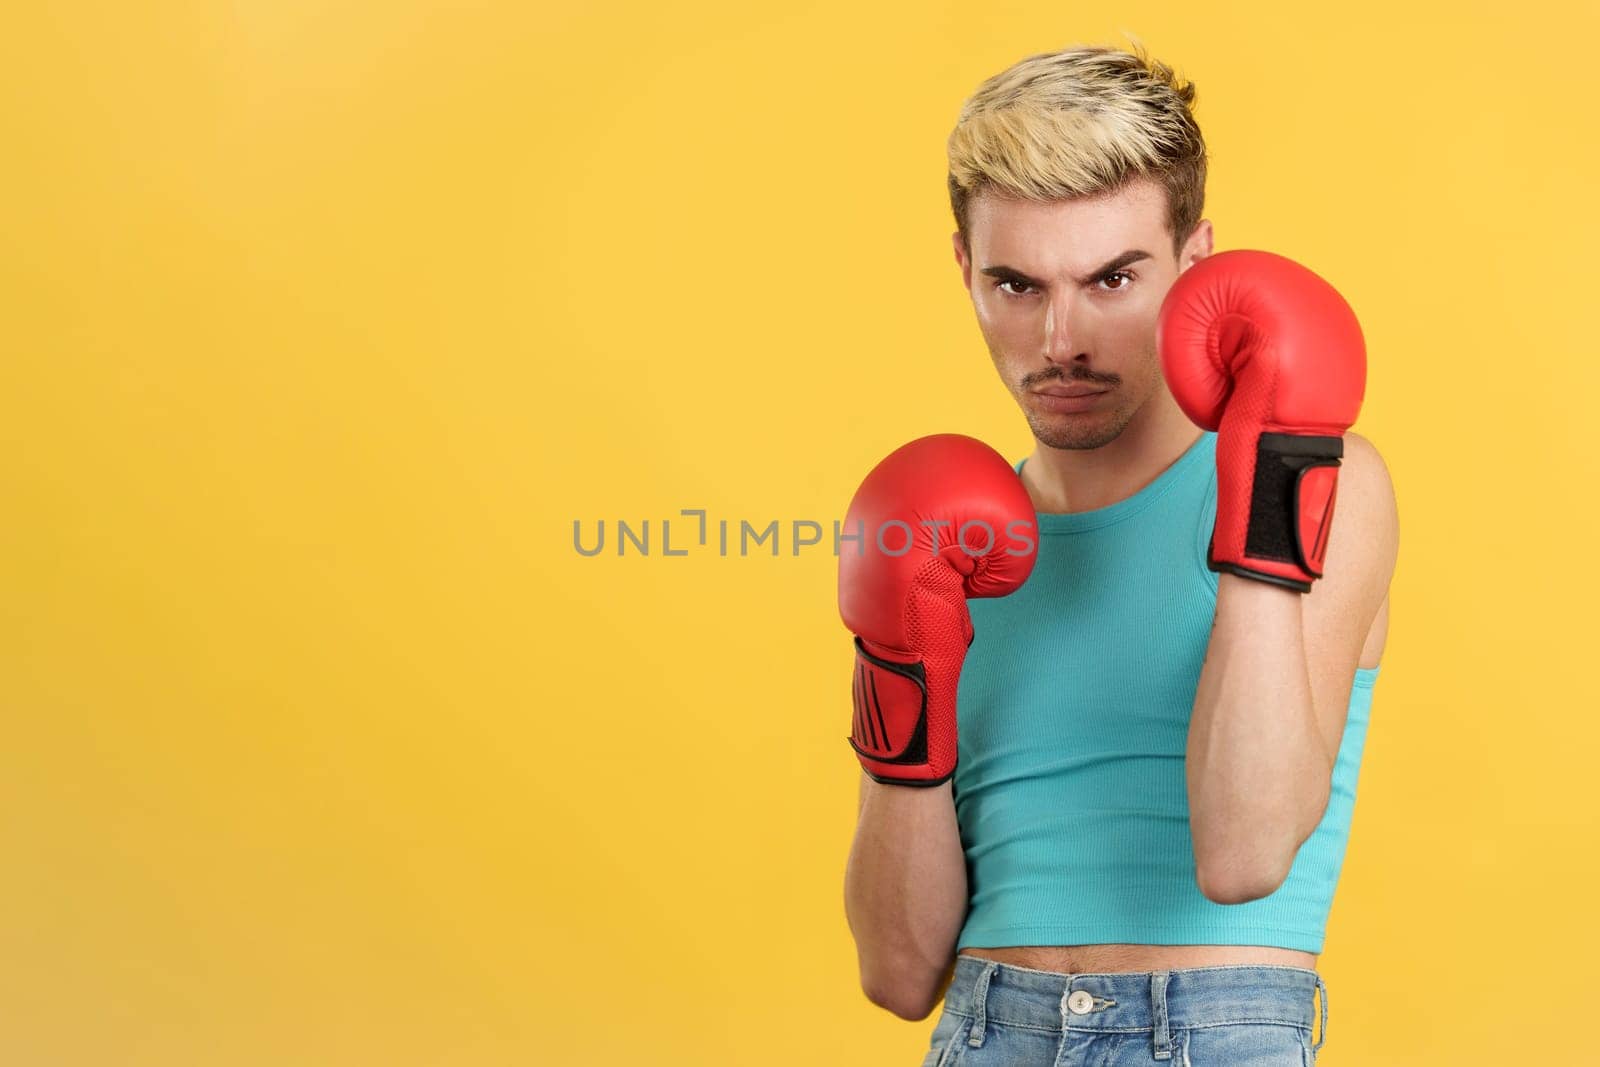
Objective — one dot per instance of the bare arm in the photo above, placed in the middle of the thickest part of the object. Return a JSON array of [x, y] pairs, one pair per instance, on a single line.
[[1270, 711], [905, 894]]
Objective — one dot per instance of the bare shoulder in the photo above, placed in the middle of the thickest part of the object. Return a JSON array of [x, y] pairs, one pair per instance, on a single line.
[[1346, 612], [1366, 497]]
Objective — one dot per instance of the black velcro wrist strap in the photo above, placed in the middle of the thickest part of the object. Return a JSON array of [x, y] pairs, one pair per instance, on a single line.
[[891, 710], [1274, 509]]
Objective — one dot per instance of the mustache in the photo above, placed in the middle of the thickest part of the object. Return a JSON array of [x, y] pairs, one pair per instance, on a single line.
[[1057, 374]]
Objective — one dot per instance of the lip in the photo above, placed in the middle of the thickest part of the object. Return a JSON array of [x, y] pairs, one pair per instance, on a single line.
[[1069, 391], [1066, 401]]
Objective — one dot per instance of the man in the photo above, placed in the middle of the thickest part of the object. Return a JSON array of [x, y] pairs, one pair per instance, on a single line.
[[1134, 855]]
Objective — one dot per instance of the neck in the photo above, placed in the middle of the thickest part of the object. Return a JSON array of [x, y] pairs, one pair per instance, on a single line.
[[1065, 480]]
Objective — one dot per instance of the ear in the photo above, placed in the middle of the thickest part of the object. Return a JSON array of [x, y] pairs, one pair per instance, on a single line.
[[1197, 247], [962, 261]]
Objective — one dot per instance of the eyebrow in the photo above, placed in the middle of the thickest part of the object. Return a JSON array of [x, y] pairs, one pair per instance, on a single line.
[[1011, 274]]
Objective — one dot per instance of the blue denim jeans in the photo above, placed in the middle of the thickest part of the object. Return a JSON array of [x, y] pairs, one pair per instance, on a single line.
[[1234, 1016]]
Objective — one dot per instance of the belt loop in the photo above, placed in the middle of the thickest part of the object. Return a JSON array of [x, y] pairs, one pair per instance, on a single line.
[[1323, 1036], [980, 1004], [1158, 1014]]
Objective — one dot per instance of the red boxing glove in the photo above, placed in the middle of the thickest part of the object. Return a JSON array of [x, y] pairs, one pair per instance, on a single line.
[[1270, 356], [941, 519]]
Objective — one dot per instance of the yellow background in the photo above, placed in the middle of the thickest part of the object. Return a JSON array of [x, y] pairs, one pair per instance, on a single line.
[[323, 322]]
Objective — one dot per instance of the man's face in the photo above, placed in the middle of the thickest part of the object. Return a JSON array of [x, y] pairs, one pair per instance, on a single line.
[[1067, 294]]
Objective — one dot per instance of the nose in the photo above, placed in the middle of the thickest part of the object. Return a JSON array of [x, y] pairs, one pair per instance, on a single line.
[[1060, 330]]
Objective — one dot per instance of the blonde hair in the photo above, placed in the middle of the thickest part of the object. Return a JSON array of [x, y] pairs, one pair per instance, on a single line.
[[1079, 122]]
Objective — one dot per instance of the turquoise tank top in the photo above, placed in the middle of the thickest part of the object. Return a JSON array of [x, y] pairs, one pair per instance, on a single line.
[[1073, 710]]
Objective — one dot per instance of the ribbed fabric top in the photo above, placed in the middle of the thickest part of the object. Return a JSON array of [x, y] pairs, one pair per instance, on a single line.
[[1074, 708]]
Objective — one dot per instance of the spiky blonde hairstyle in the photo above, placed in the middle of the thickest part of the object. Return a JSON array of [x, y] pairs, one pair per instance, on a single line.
[[1079, 122]]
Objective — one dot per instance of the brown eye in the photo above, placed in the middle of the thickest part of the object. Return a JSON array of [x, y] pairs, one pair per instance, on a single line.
[[1124, 275]]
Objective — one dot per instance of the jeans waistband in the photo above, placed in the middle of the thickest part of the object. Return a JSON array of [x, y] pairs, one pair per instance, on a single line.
[[1137, 1000]]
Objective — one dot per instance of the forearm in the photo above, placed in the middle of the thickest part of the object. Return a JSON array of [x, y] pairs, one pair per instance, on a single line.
[[905, 893], [1257, 767]]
